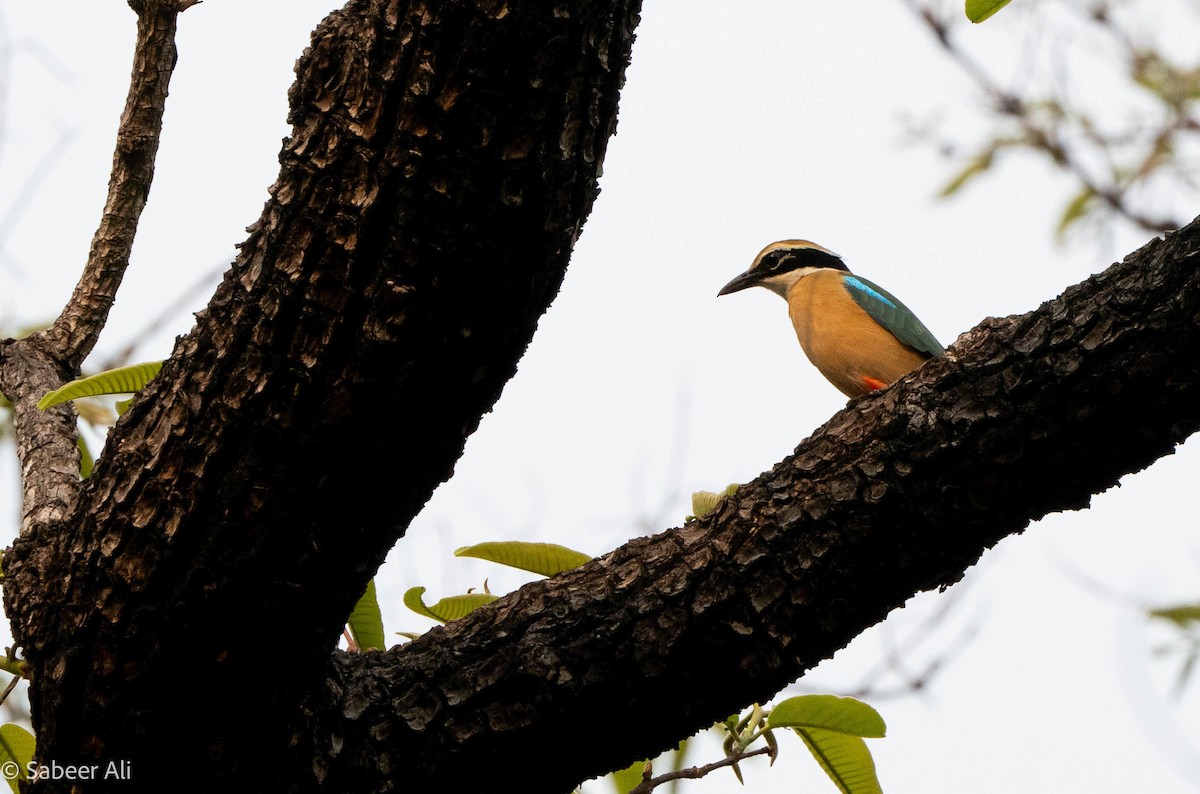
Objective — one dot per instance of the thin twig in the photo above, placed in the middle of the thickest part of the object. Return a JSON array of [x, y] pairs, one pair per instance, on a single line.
[[1045, 139], [23, 199], [166, 314], [74, 333], [695, 772], [8, 689]]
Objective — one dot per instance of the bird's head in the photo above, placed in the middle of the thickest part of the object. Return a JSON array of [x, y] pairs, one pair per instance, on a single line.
[[780, 265]]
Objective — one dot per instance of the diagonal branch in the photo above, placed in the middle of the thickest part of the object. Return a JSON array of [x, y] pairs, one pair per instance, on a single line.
[[901, 491], [442, 160], [75, 331], [46, 441]]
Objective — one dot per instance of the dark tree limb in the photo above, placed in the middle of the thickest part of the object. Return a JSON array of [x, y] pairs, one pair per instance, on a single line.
[[75, 331], [900, 492], [443, 158]]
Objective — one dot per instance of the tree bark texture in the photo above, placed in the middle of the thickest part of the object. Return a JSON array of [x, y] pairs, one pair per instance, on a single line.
[[443, 157], [46, 443], [442, 160], [77, 328]]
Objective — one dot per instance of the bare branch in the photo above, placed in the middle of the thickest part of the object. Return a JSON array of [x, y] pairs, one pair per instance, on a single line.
[[1038, 136], [76, 330], [695, 772]]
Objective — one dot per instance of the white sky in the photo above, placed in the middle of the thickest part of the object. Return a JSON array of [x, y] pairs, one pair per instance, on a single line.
[[741, 123]]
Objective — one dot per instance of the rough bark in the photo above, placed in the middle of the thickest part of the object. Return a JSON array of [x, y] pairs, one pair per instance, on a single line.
[[443, 157], [442, 160], [29, 369], [74, 333], [900, 492]]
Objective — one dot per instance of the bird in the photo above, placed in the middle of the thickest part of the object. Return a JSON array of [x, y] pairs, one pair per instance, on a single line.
[[855, 332]]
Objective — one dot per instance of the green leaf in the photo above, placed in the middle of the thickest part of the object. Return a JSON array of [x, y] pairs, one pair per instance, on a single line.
[[546, 559], [366, 622], [737, 772], [1180, 615], [16, 746], [1076, 209], [845, 759], [448, 609], [704, 502], [976, 166], [625, 780], [979, 10], [12, 666], [113, 381], [832, 728], [830, 713], [772, 745], [86, 461]]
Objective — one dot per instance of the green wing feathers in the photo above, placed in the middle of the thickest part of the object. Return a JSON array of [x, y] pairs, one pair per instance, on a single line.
[[885, 309]]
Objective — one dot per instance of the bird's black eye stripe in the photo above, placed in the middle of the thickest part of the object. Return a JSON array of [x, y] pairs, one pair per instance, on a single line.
[[778, 261], [785, 259]]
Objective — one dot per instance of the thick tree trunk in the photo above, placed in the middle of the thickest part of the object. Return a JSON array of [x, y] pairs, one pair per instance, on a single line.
[[443, 158]]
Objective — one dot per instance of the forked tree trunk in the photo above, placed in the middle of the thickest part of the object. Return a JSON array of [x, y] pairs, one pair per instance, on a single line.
[[444, 156]]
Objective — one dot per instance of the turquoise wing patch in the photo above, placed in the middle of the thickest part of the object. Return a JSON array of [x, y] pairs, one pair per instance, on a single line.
[[885, 309]]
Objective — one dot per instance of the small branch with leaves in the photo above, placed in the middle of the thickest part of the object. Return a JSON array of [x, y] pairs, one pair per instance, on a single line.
[[833, 729], [649, 783], [1108, 166]]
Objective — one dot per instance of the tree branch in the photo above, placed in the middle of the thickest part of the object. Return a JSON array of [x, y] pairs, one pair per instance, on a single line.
[[442, 159], [46, 440], [1045, 138], [75, 331], [900, 492], [696, 772], [31, 367]]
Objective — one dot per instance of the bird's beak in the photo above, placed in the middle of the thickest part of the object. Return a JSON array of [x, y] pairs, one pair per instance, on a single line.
[[747, 279]]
